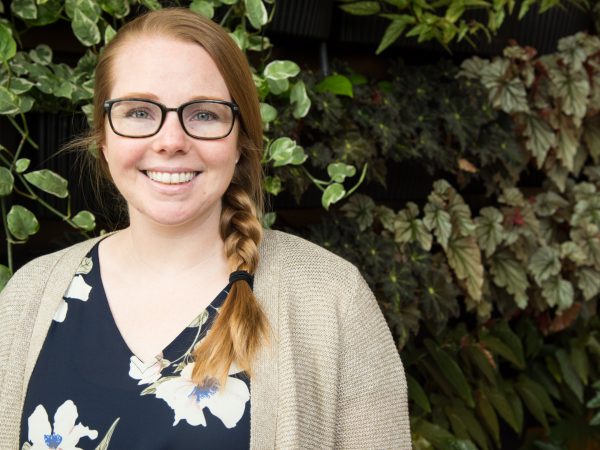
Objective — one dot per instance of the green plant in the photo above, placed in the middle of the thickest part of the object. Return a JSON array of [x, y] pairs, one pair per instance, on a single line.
[[444, 21], [30, 80]]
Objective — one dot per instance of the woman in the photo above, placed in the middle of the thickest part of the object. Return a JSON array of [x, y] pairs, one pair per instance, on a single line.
[[153, 337]]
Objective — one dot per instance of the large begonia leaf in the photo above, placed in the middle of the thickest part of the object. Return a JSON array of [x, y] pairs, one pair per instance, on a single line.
[[360, 208], [588, 238], [464, 256], [438, 220], [558, 292], [547, 203], [557, 173], [568, 144], [506, 92], [572, 88], [489, 229], [572, 251], [409, 228], [510, 274], [544, 263], [540, 138], [588, 280], [572, 52]]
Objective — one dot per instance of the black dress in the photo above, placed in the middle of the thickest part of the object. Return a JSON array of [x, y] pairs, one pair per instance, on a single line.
[[87, 388]]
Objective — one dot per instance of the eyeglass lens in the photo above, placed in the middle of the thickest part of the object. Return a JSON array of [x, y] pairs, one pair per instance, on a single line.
[[136, 118]]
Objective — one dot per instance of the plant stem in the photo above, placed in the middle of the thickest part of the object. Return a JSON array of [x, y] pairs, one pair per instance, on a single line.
[[9, 255], [360, 180], [22, 132]]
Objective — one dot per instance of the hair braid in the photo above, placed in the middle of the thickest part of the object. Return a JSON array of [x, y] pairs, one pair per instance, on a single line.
[[240, 326]]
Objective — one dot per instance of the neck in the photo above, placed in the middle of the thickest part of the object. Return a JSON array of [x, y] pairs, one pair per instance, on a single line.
[[174, 249]]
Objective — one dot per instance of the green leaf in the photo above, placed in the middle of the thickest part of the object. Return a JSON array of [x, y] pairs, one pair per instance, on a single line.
[[464, 256], [540, 393], [20, 85], [340, 171], [569, 375], [203, 7], [496, 345], [568, 144], [336, 84], [109, 34], [267, 113], [268, 220], [256, 13], [8, 46], [332, 194], [49, 182], [485, 410], [558, 292], [540, 138], [9, 102], [22, 223], [502, 404], [489, 229], [393, 31], [580, 362], [5, 275], [438, 220], [47, 12], [278, 86], [360, 208], [104, 443], [409, 228], [572, 88], [85, 220], [510, 274], [361, 8], [547, 203], [284, 151], [477, 356], [153, 5], [25, 9], [451, 371], [85, 29], [42, 54], [417, 394], [7, 181], [588, 280], [544, 263], [502, 331], [532, 403], [505, 93], [273, 185], [281, 70], [299, 98]]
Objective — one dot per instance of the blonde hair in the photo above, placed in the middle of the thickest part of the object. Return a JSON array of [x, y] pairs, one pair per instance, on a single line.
[[241, 326]]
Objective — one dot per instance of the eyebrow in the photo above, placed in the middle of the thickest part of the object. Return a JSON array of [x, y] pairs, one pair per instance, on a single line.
[[150, 96]]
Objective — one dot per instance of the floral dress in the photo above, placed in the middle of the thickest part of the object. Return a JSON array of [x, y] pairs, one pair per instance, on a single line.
[[87, 390]]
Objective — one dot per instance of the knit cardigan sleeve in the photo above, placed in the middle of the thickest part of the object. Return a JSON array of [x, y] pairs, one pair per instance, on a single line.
[[372, 410]]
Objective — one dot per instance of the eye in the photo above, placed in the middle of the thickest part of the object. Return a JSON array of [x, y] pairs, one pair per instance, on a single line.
[[204, 116], [138, 113]]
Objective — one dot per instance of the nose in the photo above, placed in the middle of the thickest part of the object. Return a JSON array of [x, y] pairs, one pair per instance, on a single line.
[[171, 137]]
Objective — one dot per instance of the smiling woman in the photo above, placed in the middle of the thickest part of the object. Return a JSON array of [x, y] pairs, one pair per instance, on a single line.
[[192, 320]]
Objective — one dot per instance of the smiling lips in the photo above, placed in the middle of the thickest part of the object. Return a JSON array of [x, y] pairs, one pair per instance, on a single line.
[[171, 177]]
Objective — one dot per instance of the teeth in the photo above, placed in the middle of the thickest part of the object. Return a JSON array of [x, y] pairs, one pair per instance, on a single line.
[[170, 178]]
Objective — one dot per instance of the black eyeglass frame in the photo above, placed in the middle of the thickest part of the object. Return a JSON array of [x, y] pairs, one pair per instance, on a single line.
[[108, 104]]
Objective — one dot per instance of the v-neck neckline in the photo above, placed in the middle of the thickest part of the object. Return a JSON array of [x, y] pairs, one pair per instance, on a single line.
[[107, 311]]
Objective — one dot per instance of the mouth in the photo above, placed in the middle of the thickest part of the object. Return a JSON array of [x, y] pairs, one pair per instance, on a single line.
[[171, 177]]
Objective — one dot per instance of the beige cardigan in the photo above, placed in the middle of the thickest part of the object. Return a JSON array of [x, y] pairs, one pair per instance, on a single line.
[[331, 378]]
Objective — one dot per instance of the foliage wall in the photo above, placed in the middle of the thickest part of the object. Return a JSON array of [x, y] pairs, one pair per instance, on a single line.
[[489, 284]]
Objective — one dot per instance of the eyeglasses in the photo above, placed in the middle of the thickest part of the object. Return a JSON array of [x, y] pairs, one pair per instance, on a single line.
[[201, 119]]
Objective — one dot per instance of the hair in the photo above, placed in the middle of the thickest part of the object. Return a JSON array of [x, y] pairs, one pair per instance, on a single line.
[[240, 327]]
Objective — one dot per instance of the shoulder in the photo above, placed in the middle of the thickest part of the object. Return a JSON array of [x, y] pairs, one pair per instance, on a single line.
[[34, 275], [302, 255]]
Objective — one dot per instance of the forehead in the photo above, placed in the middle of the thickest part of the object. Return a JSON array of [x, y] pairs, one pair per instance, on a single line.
[[169, 69]]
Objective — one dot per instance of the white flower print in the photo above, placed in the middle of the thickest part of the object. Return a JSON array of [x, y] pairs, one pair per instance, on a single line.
[[79, 290], [149, 372], [63, 435], [187, 399]]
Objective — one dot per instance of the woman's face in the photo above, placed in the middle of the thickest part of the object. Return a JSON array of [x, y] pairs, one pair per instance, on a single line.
[[153, 173]]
